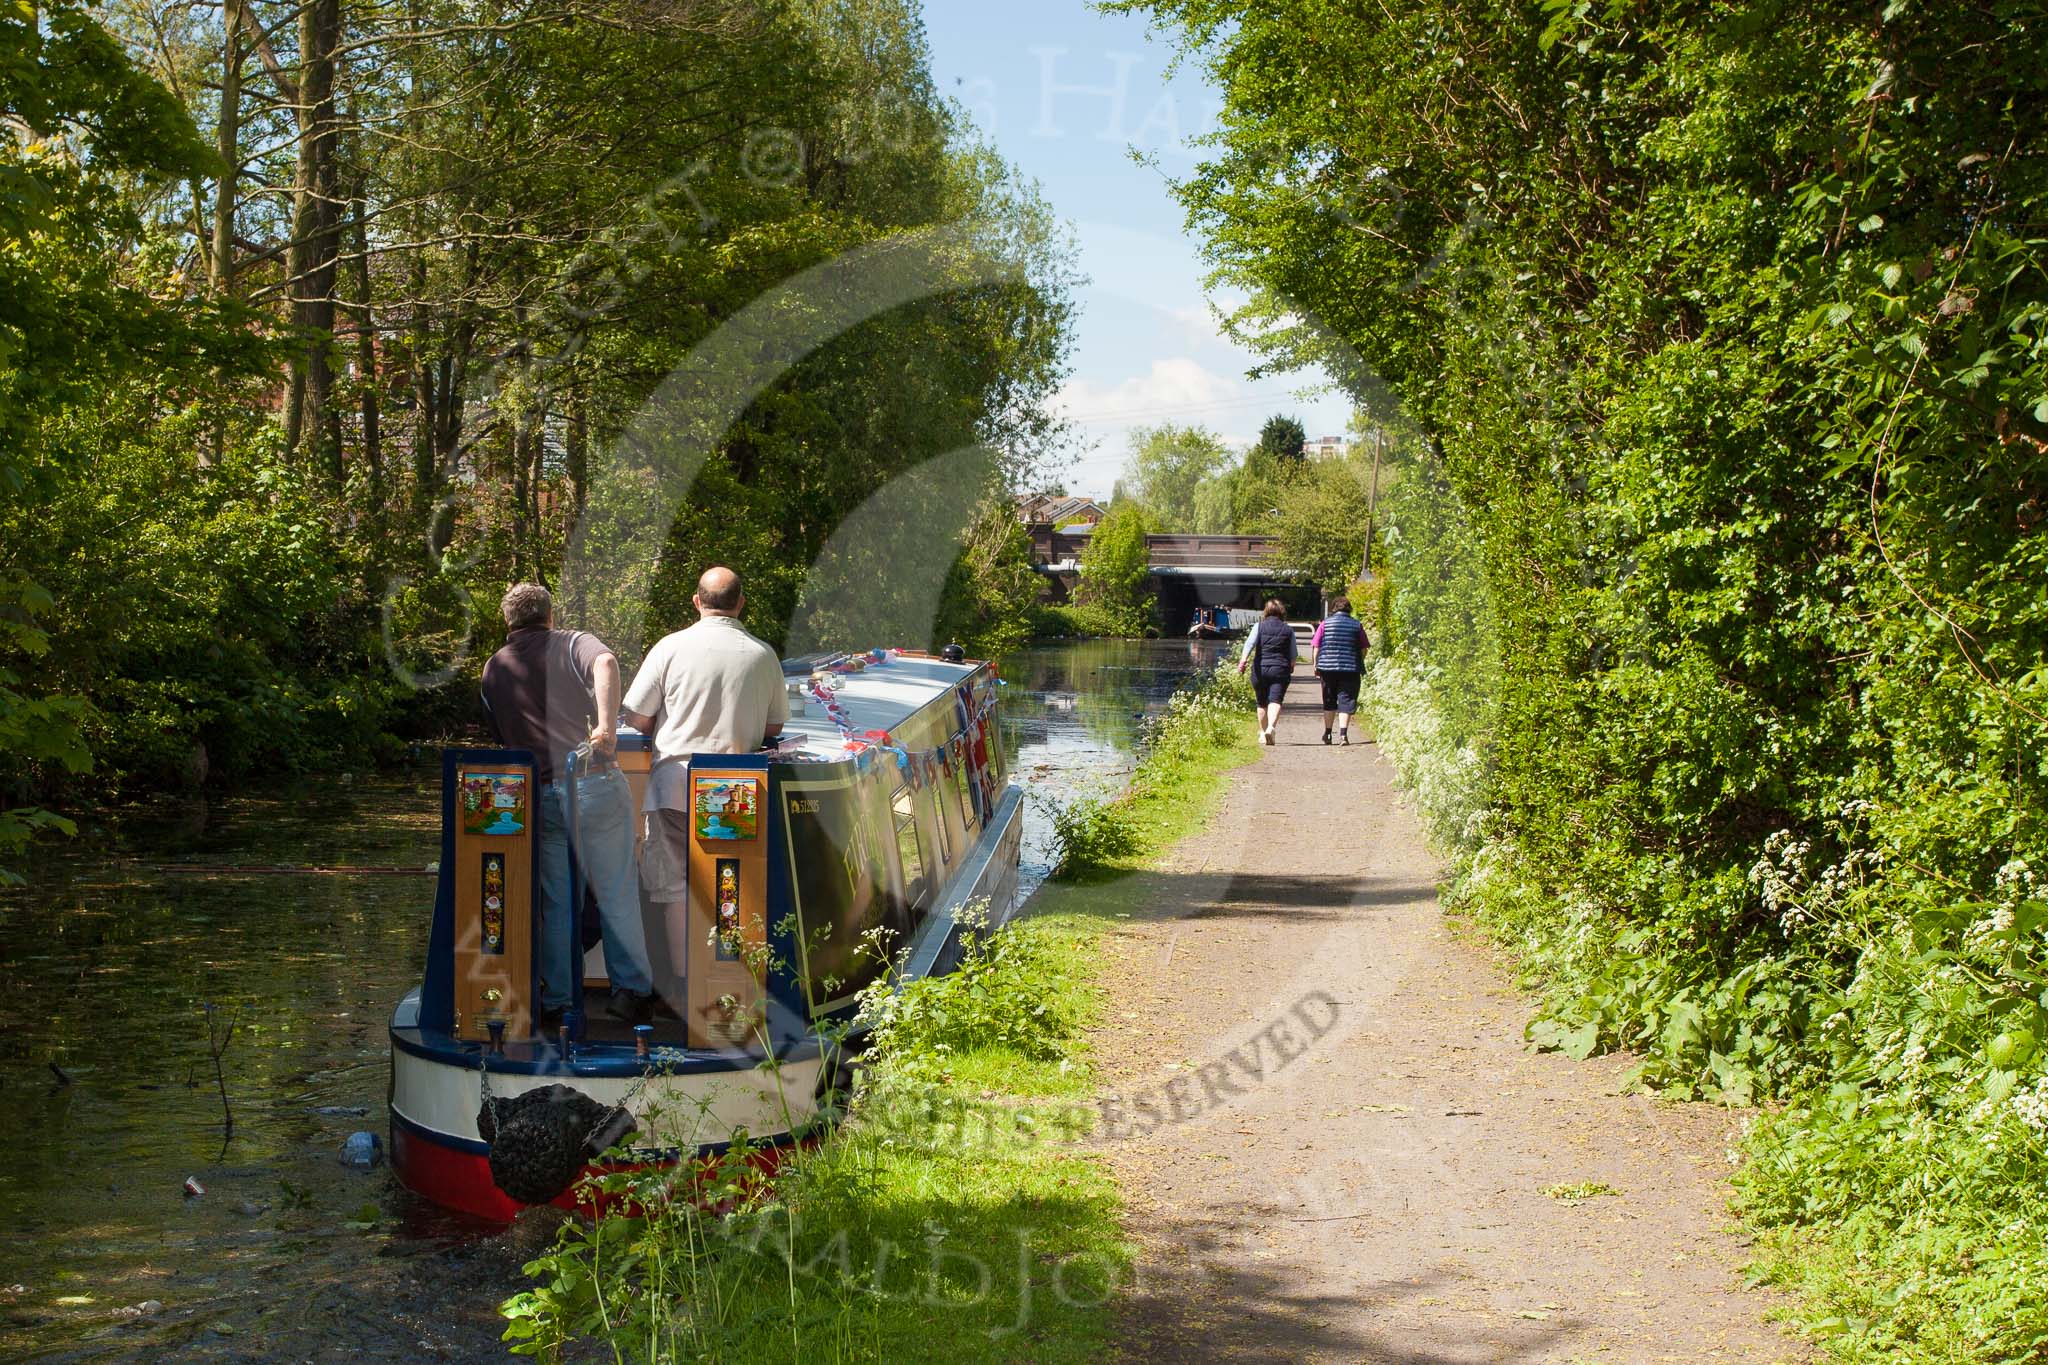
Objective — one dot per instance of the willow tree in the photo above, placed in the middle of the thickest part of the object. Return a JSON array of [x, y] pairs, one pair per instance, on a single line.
[[1166, 468]]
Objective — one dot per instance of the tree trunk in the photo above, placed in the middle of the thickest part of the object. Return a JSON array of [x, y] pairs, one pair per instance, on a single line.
[[202, 235], [519, 447], [366, 351], [455, 369], [221, 263], [576, 454], [535, 477], [425, 486], [310, 264], [220, 258], [576, 471]]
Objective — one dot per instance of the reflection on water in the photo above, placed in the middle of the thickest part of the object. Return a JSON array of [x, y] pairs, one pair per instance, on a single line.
[[1073, 713], [110, 1086], [114, 1102]]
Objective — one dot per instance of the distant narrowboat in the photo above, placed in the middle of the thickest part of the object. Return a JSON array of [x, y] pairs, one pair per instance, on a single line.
[[885, 812], [1215, 623]]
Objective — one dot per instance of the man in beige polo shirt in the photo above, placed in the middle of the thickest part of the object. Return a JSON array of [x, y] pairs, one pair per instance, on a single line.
[[715, 689]]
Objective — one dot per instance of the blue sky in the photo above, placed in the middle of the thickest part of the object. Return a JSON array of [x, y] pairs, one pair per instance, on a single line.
[[1065, 93]]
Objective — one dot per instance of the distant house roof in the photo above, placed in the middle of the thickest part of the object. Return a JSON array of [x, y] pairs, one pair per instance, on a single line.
[[1059, 509]]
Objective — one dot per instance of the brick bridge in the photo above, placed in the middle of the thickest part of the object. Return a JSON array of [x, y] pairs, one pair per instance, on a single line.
[[1186, 571]]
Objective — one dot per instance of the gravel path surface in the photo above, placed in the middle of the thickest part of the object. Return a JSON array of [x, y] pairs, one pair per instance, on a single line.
[[1336, 1145]]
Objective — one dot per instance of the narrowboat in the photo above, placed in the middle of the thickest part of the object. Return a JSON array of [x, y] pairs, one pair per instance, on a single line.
[[1215, 623], [883, 819]]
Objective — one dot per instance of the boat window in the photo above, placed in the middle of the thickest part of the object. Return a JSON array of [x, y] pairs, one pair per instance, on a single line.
[[835, 890], [909, 845], [963, 784], [942, 833], [867, 838], [893, 897], [995, 752]]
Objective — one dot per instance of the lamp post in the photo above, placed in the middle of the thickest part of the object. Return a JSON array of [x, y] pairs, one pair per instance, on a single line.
[[1372, 502]]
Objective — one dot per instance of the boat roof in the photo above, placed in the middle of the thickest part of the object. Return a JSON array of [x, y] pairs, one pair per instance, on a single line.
[[874, 694]]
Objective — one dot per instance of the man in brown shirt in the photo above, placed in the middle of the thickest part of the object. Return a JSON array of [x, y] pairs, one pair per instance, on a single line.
[[550, 691]]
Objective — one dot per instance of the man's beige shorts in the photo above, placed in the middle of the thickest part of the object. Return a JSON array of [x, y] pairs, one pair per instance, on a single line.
[[665, 857]]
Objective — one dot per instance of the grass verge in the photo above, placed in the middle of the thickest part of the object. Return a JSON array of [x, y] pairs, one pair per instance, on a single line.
[[952, 1216]]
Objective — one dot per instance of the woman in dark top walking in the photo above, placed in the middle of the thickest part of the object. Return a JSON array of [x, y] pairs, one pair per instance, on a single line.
[[1339, 648], [1270, 653]]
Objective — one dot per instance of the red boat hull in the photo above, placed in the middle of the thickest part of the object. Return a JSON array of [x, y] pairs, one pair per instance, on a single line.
[[461, 1180], [454, 1178]]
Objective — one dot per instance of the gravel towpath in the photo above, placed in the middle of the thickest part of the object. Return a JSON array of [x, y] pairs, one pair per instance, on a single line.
[[1336, 1145]]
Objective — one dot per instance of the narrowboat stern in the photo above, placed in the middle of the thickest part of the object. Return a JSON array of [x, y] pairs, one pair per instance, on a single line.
[[853, 848]]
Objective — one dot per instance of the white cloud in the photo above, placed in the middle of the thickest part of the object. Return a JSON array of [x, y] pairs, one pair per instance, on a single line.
[[1175, 388], [1197, 325], [1201, 324]]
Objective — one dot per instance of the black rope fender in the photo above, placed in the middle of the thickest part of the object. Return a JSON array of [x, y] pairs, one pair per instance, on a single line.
[[541, 1139]]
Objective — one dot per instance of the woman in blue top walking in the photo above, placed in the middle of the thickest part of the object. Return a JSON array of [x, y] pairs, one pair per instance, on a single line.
[[1339, 646], [1270, 653]]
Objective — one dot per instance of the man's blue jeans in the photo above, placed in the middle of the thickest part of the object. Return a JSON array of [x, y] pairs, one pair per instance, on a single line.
[[604, 850]]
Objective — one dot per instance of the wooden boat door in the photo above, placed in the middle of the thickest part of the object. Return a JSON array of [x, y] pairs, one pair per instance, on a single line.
[[496, 810]]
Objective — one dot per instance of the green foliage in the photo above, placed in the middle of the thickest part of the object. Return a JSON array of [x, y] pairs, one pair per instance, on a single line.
[[852, 1255], [1013, 991], [42, 729], [1113, 570], [1282, 438], [1090, 833], [1436, 606], [227, 645], [1247, 498], [1060, 620], [1166, 468], [944, 1190], [1718, 342], [1215, 504], [85, 123], [1322, 521], [260, 504], [992, 590], [1921, 1152], [1197, 723]]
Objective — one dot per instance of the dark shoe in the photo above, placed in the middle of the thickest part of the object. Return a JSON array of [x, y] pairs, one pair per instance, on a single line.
[[547, 1020], [1269, 736], [1346, 740], [1326, 736], [629, 1008]]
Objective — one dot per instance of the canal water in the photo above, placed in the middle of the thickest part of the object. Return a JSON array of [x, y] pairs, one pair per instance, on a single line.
[[113, 1084]]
